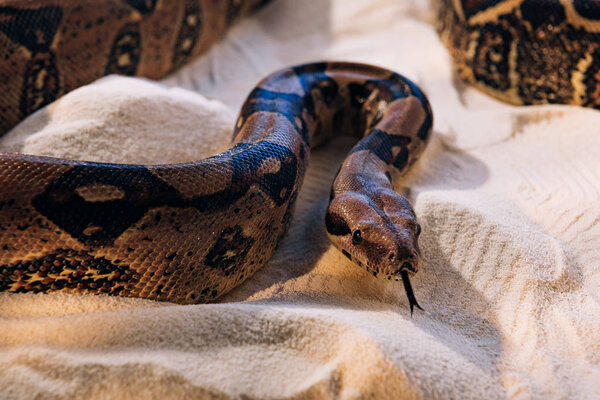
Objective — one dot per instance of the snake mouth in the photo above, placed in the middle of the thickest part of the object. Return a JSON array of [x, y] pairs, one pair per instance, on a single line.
[[409, 292], [407, 267]]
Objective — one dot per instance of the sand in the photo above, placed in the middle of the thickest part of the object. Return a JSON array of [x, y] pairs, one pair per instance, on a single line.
[[507, 197]]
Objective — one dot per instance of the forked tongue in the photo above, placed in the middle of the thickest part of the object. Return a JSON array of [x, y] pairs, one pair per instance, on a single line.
[[409, 292]]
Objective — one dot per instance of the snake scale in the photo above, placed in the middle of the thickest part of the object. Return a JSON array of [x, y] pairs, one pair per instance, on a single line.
[[188, 233]]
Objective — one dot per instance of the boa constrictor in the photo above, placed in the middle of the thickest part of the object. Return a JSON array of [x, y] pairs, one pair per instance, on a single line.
[[188, 233]]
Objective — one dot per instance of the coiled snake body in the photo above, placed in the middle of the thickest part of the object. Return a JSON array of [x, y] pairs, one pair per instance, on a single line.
[[188, 233], [526, 51]]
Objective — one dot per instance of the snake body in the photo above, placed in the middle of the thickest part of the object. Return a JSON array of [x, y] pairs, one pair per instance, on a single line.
[[526, 51], [188, 233]]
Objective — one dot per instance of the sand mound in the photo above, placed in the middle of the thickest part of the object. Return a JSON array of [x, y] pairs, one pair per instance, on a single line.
[[120, 119]]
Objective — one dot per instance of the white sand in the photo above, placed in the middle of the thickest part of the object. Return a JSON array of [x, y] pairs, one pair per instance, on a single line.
[[508, 200]]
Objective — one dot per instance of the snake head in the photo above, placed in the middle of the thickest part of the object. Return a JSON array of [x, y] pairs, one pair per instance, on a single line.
[[379, 232]]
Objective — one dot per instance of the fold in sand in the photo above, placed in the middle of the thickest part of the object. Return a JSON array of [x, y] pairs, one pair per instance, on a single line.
[[507, 197]]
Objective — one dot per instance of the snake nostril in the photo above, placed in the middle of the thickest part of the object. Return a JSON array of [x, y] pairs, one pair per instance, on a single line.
[[408, 266], [391, 257]]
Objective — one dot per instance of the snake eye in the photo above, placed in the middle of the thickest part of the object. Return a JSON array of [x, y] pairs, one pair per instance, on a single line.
[[356, 237], [418, 230]]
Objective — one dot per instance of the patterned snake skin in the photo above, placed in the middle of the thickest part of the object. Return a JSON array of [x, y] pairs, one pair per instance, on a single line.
[[526, 51], [189, 233]]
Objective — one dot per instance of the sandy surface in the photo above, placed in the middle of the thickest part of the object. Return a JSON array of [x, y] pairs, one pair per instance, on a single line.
[[507, 197]]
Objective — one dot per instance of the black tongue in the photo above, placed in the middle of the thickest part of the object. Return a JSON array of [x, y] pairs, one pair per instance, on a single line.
[[409, 292]]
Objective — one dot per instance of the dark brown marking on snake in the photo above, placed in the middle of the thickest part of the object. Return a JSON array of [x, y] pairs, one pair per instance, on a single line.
[[591, 81], [143, 6], [245, 160], [552, 13], [32, 28], [289, 105], [229, 251], [41, 84], [490, 64], [398, 85], [190, 30], [287, 217], [126, 51], [35, 30], [381, 144], [401, 160], [589, 9], [233, 10], [541, 79], [313, 77], [472, 7], [100, 223]]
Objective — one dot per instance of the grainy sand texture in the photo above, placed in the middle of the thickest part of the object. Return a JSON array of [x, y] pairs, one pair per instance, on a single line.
[[508, 198]]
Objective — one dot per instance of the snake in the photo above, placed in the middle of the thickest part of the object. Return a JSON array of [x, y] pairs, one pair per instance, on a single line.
[[526, 52], [189, 233]]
